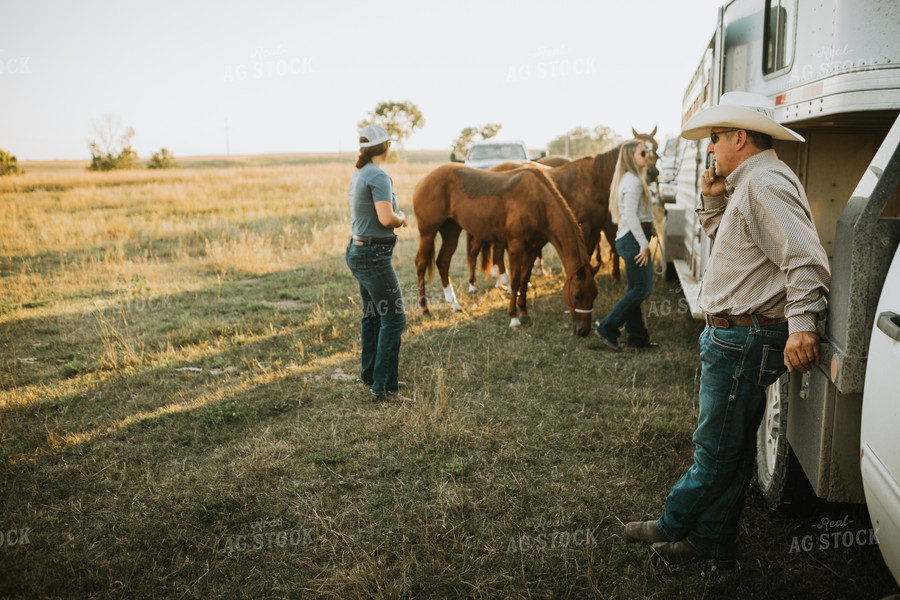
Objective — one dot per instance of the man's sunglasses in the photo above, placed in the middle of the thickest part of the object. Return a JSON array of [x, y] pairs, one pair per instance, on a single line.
[[714, 135]]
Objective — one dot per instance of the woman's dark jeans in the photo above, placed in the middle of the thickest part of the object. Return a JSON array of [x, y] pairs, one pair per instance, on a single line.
[[384, 317], [628, 309]]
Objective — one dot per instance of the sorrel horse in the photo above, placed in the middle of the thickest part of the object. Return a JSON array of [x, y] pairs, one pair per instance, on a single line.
[[520, 208], [554, 160], [584, 183]]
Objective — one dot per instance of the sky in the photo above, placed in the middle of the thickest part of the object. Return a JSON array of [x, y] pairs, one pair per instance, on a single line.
[[276, 76]]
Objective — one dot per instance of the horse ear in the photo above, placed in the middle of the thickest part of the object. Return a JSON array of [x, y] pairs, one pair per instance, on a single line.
[[635, 133], [653, 133]]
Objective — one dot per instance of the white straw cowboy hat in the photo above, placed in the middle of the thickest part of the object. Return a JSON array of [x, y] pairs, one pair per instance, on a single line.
[[740, 110], [376, 134]]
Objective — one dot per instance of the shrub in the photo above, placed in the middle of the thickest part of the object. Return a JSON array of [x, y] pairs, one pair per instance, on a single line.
[[162, 160], [9, 164]]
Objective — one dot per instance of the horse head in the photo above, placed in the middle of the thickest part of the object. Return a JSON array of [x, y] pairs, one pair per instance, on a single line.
[[580, 292], [651, 143]]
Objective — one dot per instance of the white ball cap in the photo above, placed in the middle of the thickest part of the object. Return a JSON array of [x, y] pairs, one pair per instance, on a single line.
[[376, 134]]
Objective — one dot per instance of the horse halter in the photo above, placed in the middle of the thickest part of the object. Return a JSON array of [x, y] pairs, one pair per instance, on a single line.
[[566, 292]]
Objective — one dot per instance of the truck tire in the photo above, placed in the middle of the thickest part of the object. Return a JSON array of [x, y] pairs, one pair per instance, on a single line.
[[780, 477]]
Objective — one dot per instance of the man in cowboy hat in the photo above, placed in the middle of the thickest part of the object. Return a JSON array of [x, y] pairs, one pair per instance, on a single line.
[[763, 292]]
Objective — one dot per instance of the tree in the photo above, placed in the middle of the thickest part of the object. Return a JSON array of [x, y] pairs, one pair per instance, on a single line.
[[581, 141], [162, 160], [9, 164], [400, 119], [111, 150], [467, 136]]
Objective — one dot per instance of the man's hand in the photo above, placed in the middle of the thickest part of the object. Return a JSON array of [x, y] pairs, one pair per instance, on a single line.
[[801, 351], [711, 185]]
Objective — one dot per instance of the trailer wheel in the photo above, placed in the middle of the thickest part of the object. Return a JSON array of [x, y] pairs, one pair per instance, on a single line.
[[671, 273], [780, 477]]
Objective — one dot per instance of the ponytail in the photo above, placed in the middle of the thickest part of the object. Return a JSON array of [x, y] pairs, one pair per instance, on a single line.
[[366, 154]]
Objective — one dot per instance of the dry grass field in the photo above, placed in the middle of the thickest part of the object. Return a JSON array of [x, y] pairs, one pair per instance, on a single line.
[[180, 416]]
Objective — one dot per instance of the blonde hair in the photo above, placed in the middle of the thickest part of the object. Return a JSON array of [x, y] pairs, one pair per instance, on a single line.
[[626, 164]]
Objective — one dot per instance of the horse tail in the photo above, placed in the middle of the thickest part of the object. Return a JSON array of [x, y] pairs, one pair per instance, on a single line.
[[486, 249]]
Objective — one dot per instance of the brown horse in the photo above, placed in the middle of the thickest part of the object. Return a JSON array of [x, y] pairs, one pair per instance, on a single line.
[[520, 208], [584, 183], [554, 160]]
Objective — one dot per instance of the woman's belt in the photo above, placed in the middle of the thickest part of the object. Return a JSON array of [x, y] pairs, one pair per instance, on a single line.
[[360, 240]]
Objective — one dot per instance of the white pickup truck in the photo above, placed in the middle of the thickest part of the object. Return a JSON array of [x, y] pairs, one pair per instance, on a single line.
[[486, 154], [880, 441]]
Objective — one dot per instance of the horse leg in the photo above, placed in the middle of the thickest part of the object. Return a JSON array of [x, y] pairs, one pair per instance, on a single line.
[[531, 258], [498, 269], [449, 239], [609, 230], [538, 268], [517, 270], [423, 263], [473, 249]]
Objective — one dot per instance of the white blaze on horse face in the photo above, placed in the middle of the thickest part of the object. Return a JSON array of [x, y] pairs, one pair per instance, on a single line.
[[450, 296]]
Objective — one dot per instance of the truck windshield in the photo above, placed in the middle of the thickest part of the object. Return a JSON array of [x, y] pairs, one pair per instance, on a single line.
[[504, 151]]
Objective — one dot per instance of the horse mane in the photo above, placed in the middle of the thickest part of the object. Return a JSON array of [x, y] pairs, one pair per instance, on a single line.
[[571, 222]]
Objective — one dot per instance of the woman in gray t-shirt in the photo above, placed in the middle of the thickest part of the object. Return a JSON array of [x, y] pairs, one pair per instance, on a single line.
[[374, 216]]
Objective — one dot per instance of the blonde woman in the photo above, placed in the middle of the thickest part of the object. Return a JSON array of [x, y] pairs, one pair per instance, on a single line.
[[630, 208]]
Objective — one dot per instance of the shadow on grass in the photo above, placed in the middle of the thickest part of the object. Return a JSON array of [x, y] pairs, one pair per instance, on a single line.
[[506, 478]]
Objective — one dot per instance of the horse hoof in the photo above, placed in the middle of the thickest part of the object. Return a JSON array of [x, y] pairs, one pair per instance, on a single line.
[[456, 308], [472, 290], [525, 320]]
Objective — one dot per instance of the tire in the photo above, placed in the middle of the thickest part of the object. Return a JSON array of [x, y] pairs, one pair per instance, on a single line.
[[671, 273], [780, 477]]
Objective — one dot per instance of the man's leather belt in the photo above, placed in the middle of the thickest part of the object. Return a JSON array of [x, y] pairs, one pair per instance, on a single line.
[[362, 240], [726, 321]]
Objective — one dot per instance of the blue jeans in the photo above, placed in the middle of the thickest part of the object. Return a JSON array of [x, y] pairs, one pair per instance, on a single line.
[[628, 309], [384, 317], [738, 365]]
